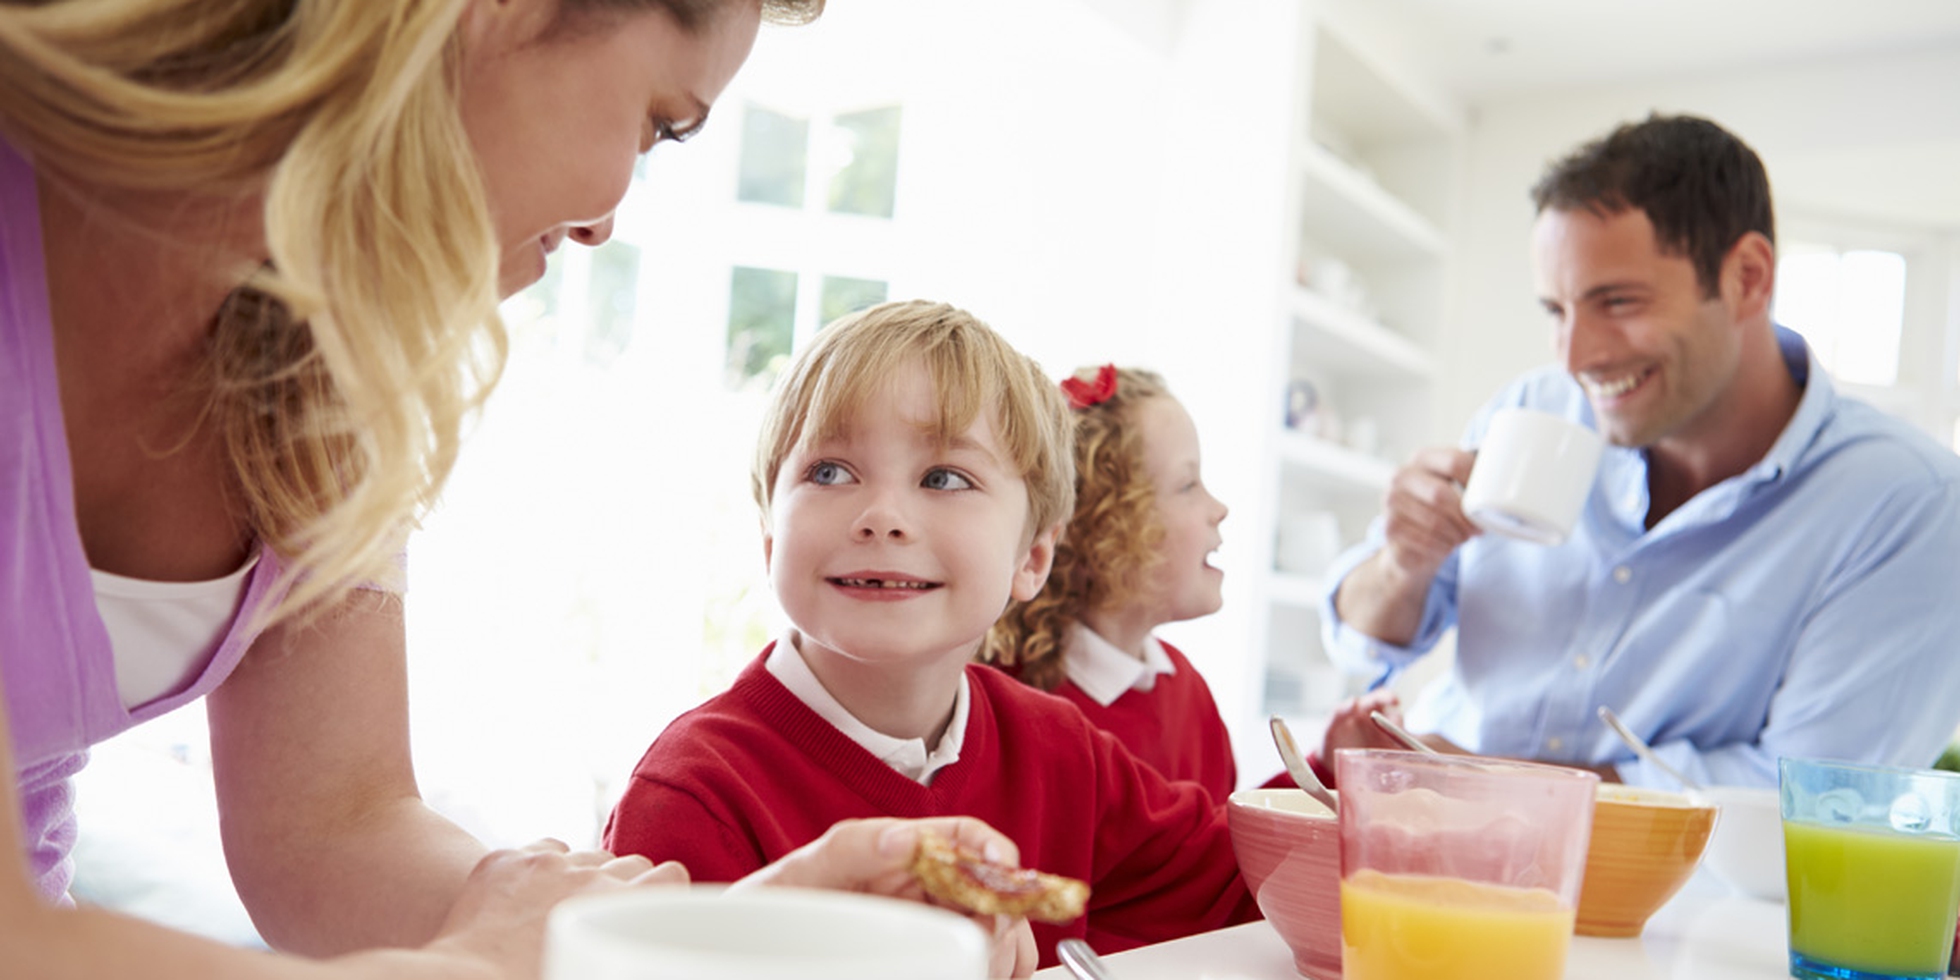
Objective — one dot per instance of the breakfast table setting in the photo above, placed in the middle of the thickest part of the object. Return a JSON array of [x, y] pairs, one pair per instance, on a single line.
[[1707, 931]]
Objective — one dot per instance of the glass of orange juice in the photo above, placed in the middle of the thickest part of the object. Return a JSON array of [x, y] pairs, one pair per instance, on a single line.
[[1456, 866], [1872, 856]]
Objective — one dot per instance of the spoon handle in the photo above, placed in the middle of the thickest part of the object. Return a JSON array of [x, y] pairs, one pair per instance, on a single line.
[[1398, 733], [1642, 749], [1081, 960], [1296, 764]]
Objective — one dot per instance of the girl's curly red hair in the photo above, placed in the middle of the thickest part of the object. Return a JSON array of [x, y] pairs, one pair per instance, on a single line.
[[1105, 555]]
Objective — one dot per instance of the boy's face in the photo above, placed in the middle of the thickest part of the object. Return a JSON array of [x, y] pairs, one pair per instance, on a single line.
[[886, 546]]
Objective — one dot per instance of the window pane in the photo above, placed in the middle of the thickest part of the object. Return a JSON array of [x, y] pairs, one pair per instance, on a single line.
[[866, 179], [615, 287], [842, 295], [761, 325], [775, 149], [1850, 306]]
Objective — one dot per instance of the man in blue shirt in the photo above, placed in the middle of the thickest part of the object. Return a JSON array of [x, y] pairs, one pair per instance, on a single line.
[[1763, 568]]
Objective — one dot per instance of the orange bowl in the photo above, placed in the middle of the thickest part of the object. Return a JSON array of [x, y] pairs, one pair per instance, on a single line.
[[1645, 844], [1289, 850]]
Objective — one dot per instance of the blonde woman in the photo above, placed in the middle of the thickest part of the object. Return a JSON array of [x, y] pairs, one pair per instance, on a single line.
[[250, 252]]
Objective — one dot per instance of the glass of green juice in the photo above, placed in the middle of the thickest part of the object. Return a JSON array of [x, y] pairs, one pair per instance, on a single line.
[[1872, 855]]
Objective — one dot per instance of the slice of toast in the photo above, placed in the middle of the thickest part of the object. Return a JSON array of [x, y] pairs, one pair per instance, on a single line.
[[959, 877]]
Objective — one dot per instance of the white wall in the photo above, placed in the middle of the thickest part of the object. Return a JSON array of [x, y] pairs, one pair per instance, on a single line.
[[1805, 121]]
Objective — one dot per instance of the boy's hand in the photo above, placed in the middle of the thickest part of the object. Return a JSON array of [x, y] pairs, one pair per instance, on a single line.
[[875, 857]]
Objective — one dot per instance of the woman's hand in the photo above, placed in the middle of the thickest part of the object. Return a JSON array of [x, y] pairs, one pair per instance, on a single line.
[[500, 917], [875, 856]]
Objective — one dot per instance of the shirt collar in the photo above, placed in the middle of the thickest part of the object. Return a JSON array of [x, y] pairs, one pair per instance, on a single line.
[[908, 756], [1104, 673], [1813, 409]]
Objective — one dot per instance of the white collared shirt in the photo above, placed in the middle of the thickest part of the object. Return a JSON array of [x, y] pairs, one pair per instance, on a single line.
[[908, 756], [1103, 672]]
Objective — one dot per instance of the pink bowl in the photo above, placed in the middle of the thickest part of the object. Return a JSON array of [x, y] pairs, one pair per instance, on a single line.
[[1289, 850]]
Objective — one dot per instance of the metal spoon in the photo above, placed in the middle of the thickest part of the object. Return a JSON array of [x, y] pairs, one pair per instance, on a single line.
[[1296, 765], [1400, 734], [1082, 961], [1641, 749]]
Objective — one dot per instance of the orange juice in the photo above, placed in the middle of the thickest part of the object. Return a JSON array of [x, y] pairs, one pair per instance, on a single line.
[[1416, 927]]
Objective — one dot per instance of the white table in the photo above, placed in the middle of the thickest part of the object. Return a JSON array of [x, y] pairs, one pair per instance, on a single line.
[[1706, 932]]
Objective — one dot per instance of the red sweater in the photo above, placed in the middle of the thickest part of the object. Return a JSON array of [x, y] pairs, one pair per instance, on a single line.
[[1174, 726], [754, 774]]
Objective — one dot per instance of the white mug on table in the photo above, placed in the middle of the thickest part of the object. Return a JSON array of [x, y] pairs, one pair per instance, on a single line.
[[682, 932]]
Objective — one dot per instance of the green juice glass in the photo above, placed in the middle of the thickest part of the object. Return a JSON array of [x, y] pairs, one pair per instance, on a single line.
[[1872, 854]]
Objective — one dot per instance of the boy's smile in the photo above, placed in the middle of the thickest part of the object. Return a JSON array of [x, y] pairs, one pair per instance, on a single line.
[[893, 550]]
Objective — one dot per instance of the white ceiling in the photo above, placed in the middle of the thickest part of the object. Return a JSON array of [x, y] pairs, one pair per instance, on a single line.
[[1483, 49]]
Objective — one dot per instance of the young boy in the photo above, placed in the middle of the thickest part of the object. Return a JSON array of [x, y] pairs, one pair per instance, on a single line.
[[913, 473]]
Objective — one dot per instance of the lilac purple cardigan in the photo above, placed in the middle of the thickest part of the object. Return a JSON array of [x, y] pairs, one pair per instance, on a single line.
[[55, 661]]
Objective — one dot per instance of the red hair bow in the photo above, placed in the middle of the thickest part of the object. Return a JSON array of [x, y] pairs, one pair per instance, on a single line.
[[1082, 394]]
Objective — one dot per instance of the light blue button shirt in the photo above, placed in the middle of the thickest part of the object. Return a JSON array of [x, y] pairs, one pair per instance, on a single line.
[[1807, 607]]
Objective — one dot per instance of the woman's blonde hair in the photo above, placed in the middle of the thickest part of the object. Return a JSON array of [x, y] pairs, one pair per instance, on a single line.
[[973, 370], [341, 374], [1104, 558]]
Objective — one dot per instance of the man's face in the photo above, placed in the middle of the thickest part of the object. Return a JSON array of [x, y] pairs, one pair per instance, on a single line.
[[1632, 325]]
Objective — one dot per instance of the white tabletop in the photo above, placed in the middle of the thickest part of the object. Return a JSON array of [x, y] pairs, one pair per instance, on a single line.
[[1706, 932]]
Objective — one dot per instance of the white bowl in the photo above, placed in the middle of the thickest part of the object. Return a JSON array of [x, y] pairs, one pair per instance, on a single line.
[[1746, 850], [696, 933]]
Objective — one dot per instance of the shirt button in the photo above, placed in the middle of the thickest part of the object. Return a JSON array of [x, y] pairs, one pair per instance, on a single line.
[[1555, 743], [1581, 661], [1622, 574]]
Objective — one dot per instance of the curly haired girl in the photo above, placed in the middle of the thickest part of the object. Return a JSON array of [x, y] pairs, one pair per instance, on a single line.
[[1133, 557]]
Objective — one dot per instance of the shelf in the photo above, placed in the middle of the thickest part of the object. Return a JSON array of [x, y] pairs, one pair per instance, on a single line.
[[1347, 342], [1335, 463], [1368, 102], [1289, 589], [1346, 211]]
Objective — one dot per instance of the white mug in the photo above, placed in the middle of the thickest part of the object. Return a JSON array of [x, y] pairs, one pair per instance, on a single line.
[[680, 932], [1532, 475]]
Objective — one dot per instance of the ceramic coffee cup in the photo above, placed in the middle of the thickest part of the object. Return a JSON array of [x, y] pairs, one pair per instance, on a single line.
[[1532, 474], [707, 933]]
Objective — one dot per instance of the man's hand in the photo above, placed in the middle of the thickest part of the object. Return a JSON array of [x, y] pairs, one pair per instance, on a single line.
[[1423, 522], [1423, 515]]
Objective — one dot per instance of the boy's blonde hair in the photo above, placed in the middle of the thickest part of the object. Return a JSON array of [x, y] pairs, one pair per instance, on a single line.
[[1105, 556], [973, 370], [341, 375]]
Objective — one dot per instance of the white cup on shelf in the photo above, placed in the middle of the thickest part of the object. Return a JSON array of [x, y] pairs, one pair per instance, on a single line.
[[1532, 475]]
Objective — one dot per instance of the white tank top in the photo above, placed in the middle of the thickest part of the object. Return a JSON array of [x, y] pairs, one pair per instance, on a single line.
[[165, 633]]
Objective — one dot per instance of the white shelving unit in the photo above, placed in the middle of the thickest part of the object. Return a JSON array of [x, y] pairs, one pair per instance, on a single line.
[[1372, 197]]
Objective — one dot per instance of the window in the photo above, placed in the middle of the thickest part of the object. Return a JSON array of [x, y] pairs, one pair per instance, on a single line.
[[842, 296], [613, 292], [855, 154], [1849, 306], [761, 325], [865, 154], [775, 148]]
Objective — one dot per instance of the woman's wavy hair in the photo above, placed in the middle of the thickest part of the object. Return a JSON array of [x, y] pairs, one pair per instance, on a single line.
[[1105, 555], [340, 375]]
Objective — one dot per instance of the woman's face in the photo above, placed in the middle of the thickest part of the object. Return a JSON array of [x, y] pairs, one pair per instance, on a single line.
[[558, 119]]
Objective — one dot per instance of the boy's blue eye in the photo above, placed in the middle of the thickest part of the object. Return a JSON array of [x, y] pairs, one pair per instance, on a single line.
[[945, 479], [828, 473]]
